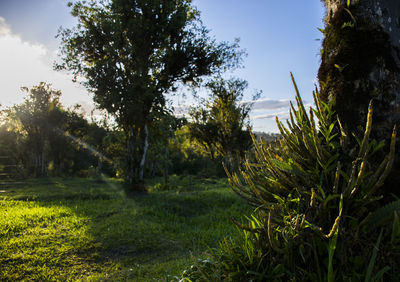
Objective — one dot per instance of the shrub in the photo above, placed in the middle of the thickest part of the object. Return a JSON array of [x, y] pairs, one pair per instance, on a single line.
[[320, 214]]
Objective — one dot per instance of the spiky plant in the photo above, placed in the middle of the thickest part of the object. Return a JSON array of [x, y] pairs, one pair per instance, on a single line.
[[319, 214]]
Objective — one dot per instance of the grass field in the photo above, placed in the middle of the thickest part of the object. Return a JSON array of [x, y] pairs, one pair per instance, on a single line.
[[81, 229]]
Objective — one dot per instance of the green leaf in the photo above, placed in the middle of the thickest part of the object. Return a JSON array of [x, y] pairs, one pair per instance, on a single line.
[[332, 246], [331, 127], [282, 166], [373, 258], [338, 67], [378, 147], [357, 139], [380, 273], [348, 24], [381, 215], [331, 137], [329, 198], [395, 227]]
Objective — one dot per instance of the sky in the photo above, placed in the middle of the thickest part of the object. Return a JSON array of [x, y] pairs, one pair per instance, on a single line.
[[279, 37]]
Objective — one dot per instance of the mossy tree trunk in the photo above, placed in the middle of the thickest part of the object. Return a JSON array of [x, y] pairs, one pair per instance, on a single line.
[[360, 61]]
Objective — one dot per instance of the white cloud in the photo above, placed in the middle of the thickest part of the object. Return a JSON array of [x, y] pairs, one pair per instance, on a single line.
[[269, 104], [26, 64], [270, 109], [281, 115], [262, 109]]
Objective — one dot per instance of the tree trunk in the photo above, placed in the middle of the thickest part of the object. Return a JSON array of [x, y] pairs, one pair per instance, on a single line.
[[43, 164], [165, 173], [165, 166], [360, 61], [99, 167], [143, 160], [136, 151], [39, 164]]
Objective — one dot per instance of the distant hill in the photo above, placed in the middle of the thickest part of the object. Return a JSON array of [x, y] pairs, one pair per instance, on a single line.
[[267, 137]]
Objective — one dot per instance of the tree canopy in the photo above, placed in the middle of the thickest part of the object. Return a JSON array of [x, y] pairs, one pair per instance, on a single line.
[[129, 54]]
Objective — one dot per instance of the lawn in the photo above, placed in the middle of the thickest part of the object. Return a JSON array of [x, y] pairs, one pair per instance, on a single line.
[[83, 229]]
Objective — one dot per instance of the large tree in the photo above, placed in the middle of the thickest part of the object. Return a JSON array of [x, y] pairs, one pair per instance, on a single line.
[[360, 61], [132, 52]]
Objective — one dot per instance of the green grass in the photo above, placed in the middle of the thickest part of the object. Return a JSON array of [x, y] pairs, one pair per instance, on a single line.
[[79, 229]]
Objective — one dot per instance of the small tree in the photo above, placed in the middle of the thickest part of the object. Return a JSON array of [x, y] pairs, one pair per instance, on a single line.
[[219, 125], [131, 53]]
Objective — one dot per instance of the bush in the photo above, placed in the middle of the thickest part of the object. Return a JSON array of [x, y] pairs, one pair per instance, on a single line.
[[320, 215]]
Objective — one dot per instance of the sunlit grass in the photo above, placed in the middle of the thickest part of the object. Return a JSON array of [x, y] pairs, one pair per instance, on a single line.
[[69, 229], [40, 242]]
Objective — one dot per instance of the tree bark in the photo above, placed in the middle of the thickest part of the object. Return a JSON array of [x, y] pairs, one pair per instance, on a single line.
[[130, 160], [136, 151], [165, 173], [143, 160], [360, 61], [165, 160]]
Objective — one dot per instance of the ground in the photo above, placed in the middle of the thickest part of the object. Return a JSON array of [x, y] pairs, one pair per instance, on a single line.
[[85, 229]]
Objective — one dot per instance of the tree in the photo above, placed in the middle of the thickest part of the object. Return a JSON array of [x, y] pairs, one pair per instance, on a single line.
[[44, 138], [360, 61], [131, 53], [11, 157], [219, 126], [36, 119]]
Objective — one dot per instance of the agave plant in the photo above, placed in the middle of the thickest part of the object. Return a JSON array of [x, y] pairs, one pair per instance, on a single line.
[[317, 189], [319, 211]]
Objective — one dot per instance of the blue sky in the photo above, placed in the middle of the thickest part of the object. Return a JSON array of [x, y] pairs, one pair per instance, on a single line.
[[279, 36]]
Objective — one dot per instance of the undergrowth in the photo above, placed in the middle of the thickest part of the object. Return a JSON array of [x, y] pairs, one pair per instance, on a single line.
[[319, 212]]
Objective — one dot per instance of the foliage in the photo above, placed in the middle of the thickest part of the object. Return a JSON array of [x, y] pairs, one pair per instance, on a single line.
[[41, 138], [173, 152], [162, 132], [316, 195], [131, 53], [79, 229], [70, 145], [36, 119], [11, 155], [186, 156], [218, 125]]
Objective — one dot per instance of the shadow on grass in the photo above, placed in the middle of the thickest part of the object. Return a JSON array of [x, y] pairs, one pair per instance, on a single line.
[[148, 236]]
